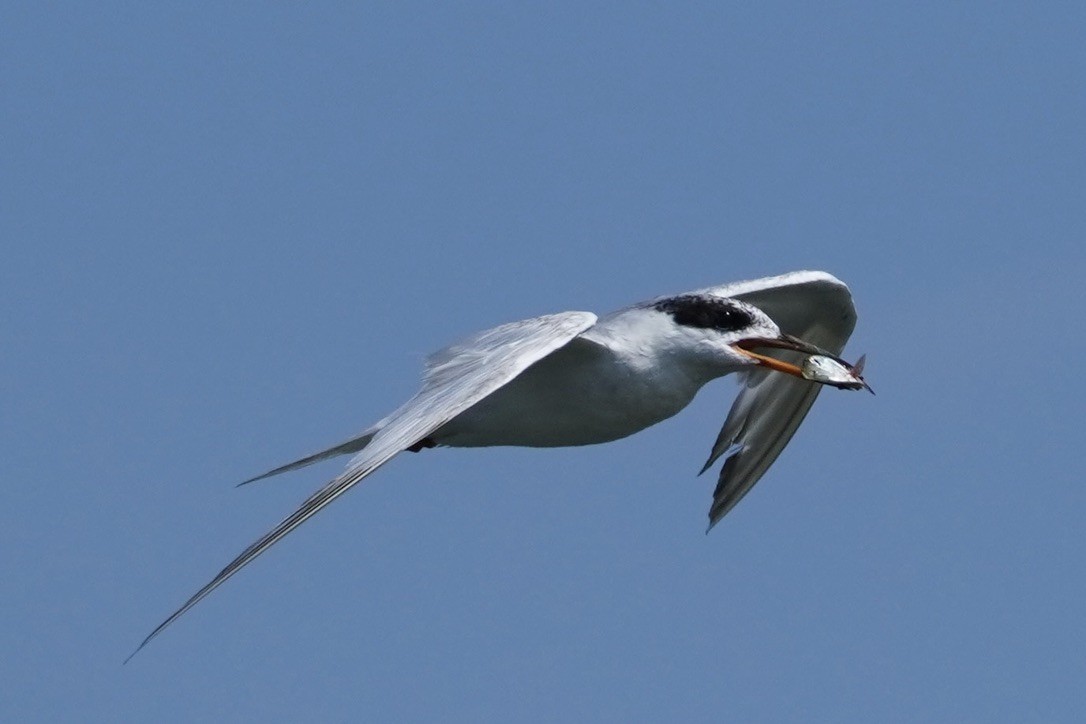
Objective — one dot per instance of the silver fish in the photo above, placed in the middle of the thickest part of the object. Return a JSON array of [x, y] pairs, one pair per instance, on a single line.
[[836, 373]]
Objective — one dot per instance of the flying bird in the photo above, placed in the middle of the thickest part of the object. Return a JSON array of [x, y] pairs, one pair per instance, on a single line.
[[577, 379]]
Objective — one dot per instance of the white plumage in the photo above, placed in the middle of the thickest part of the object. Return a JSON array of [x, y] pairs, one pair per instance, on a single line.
[[575, 379]]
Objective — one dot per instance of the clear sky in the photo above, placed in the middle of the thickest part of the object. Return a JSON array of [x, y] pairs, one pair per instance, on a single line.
[[231, 232]]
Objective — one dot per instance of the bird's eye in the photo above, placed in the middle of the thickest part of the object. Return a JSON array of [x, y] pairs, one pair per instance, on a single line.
[[706, 312]]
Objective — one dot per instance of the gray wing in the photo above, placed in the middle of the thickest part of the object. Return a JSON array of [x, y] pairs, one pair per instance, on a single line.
[[455, 379], [352, 445], [814, 306]]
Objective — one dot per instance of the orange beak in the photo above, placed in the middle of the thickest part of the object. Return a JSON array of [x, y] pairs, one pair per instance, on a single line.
[[745, 346]]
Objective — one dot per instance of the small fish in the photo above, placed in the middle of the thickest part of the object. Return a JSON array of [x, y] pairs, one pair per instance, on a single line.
[[836, 372]]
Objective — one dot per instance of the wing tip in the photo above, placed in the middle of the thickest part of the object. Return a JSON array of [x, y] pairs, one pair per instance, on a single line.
[[254, 479], [147, 640], [718, 511]]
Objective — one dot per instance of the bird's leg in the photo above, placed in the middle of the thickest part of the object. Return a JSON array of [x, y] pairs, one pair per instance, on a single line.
[[423, 443]]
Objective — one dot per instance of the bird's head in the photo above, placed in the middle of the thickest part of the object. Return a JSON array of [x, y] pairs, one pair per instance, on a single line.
[[724, 332]]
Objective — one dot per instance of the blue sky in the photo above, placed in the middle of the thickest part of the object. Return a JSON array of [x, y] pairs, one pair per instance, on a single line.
[[230, 234]]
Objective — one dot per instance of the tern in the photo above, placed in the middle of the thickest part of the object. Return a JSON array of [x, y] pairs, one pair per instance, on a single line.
[[577, 379]]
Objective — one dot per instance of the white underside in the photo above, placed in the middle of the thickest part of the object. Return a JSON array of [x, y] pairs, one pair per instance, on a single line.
[[590, 391]]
